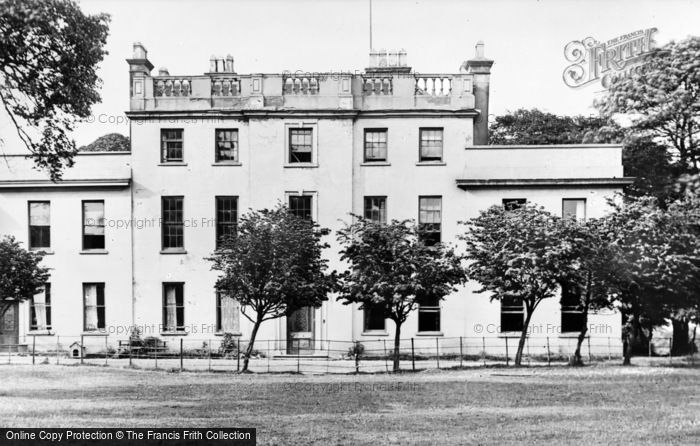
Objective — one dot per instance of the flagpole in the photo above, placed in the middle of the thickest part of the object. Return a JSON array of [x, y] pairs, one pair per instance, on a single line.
[[370, 25]]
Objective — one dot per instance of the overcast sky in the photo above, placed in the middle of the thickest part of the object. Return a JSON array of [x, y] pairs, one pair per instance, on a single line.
[[526, 38]]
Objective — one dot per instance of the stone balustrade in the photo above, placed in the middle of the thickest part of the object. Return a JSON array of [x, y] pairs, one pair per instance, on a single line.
[[382, 85], [226, 86], [369, 90], [434, 84], [300, 85], [172, 86]]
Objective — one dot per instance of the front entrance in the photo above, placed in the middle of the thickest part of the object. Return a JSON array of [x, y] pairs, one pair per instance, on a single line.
[[300, 331], [9, 327]]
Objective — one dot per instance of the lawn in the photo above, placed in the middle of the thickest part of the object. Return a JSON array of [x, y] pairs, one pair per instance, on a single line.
[[598, 404]]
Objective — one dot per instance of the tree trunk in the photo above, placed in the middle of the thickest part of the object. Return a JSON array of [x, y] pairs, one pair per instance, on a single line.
[[681, 339], [627, 334], [523, 337], [626, 350], [249, 349], [576, 360], [397, 345]]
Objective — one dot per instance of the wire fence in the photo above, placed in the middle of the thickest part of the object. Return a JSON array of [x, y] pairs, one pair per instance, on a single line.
[[226, 354]]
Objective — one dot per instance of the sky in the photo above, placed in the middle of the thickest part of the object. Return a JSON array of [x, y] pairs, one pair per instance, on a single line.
[[526, 38]]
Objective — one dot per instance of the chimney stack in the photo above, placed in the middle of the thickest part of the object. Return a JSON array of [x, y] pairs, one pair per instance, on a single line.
[[139, 69], [480, 68]]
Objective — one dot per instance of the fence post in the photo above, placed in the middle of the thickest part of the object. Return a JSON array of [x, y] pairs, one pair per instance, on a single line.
[[413, 356], [609, 350], [268, 356], [357, 361], [82, 339], [506, 351], [182, 364], [57, 347], [9, 353], [155, 357], [33, 349], [549, 355], [483, 350], [590, 357], [106, 350], [298, 356], [238, 354], [209, 355], [437, 351], [328, 355], [460, 352], [131, 353], [386, 358], [670, 350]]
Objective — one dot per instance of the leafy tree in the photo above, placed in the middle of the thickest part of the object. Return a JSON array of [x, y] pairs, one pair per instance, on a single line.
[[685, 213], [392, 269], [537, 127], [650, 164], [21, 277], [662, 99], [48, 80], [273, 266], [111, 142], [584, 269], [516, 253], [655, 265]]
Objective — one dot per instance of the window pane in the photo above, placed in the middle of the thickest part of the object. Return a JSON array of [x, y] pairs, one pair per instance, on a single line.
[[39, 224], [375, 145], [173, 307], [300, 145], [373, 319], [172, 222], [429, 314], [40, 310], [226, 145], [226, 218], [513, 203], [512, 314], [93, 225], [574, 208], [431, 144], [430, 219], [300, 205], [94, 306], [39, 214], [375, 209], [171, 145], [571, 314]]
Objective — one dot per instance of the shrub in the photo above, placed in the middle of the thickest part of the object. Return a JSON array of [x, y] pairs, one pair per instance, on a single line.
[[357, 349], [229, 345]]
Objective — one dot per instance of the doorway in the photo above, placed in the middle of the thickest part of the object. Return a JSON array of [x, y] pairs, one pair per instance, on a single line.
[[300, 331]]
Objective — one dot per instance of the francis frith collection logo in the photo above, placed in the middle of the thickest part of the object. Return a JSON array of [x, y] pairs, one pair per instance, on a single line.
[[593, 61]]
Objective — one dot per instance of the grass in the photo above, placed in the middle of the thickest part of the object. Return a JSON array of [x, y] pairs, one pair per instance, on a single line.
[[600, 404]]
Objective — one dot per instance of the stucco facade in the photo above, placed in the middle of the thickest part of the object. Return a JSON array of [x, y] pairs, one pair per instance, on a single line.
[[263, 111]]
